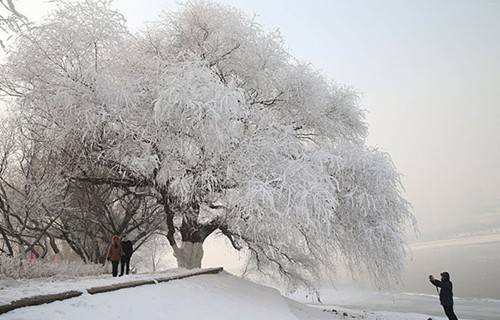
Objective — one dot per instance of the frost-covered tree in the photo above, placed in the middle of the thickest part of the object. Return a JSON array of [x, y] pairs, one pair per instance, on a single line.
[[101, 211], [211, 116], [39, 204], [151, 256], [11, 20], [32, 195]]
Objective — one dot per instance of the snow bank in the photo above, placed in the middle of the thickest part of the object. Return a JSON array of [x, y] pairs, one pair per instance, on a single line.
[[219, 297], [15, 289]]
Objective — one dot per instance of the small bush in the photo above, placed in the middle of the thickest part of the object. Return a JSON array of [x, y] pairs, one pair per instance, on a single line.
[[22, 268]]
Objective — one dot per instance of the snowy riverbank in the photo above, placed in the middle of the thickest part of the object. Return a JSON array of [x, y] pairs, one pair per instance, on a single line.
[[405, 303], [219, 297]]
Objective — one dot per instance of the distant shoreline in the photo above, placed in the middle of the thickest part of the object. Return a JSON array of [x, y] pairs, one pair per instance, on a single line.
[[474, 239]]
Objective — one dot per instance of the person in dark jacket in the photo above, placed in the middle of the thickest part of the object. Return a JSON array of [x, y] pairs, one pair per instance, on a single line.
[[115, 253], [445, 294], [127, 250]]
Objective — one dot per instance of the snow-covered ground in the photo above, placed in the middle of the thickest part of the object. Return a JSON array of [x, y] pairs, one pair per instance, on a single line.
[[15, 289], [219, 297]]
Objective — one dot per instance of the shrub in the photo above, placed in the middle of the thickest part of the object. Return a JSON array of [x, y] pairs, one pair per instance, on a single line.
[[19, 267]]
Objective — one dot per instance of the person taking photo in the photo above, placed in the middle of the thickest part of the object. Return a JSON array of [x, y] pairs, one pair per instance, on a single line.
[[445, 294]]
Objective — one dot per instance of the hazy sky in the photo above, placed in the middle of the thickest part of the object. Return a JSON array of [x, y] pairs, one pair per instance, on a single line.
[[429, 71]]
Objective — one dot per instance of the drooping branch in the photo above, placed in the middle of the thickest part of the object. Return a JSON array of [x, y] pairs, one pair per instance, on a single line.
[[43, 232], [6, 240], [108, 181]]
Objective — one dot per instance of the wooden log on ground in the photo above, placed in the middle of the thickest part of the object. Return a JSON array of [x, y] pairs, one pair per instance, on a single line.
[[194, 273], [119, 286], [132, 284], [37, 300]]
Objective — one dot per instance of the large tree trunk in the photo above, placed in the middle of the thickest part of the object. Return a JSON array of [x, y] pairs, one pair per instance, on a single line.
[[193, 234], [189, 254]]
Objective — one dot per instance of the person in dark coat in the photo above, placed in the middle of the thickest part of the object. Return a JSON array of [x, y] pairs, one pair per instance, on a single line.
[[445, 294], [127, 250], [115, 253]]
